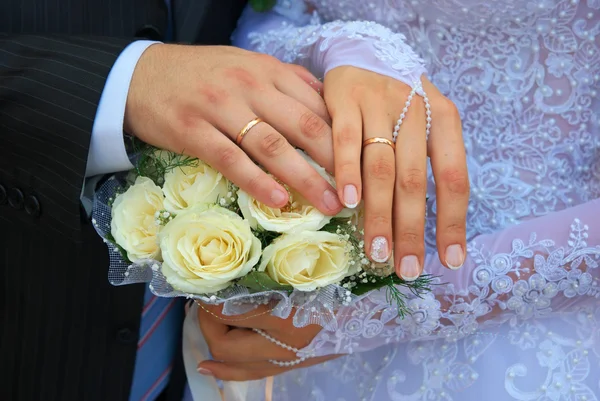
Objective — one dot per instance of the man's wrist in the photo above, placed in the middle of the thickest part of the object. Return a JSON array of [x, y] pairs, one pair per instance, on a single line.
[[139, 79]]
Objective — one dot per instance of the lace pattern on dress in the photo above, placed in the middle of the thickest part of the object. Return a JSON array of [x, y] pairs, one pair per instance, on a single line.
[[524, 76], [535, 279]]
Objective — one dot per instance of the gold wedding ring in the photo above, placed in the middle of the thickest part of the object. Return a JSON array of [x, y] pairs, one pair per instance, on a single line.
[[246, 129], [379, 140]]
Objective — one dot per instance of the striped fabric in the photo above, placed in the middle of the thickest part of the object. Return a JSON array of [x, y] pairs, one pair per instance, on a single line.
[[66, 334], [160, 331]]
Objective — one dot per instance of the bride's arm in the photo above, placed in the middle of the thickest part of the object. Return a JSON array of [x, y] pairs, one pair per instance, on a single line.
[[293, 35], [541, 267]]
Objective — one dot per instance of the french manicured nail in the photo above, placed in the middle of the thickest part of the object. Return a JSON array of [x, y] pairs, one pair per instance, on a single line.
[[278, 197], [455, 257], [331, 200], [350, 196], [205, 372], [409, 268], [379, 250]]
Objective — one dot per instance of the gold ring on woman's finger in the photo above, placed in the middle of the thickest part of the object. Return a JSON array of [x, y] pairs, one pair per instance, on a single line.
[[379, 140]]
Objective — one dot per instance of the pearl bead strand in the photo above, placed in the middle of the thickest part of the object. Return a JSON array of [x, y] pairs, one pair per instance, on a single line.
[[282, 345], [428, 113], [416, 86]]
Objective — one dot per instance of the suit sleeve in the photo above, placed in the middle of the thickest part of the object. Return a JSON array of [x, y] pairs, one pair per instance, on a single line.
[[50, 88]]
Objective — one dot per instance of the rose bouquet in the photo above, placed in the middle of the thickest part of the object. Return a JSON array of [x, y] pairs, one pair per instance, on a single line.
[[179, 224]]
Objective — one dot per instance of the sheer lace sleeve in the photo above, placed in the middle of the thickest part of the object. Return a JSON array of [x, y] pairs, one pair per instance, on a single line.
[[291, 34], [530, 271]]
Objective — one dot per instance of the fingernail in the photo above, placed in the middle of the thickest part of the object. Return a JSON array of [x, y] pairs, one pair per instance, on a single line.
[[409, 268], [278, 197], [350, 196], [205, 372], [331, 201], [455, 257], [379, 250]]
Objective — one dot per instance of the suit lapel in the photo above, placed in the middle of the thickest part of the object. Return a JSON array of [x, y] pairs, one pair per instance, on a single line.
[[188, 16]]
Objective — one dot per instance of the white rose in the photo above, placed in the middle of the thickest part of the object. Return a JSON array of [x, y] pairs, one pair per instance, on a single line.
[[307, 260], [189, 186], [298, 215], [205, 248], [133, 224]]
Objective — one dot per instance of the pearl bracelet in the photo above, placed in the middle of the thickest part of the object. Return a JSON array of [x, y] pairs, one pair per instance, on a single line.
[[282, 345], [428, 113], [416, 87], [275, 341]]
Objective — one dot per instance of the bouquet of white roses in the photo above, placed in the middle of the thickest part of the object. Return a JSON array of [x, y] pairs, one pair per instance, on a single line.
[[178, 223]]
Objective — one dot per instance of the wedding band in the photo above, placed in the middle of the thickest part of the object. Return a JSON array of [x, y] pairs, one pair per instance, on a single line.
[[246, 129], [379, 140]]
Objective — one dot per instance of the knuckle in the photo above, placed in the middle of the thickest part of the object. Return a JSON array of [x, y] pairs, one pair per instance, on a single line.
[[358, 91], [347, 168], [381, 168], [456, 229], [446, 107], [456, 181], [186, 119], [410, 238], [346, 134], [379, 220], [312, 126], [254, 184], [213, 94], [243, 77], [413, 182], [273, 144], [228, 156], [311, 182]]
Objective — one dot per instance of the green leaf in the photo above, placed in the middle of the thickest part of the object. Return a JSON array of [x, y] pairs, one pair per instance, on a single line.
[[260, 281], [262, 5], [333, 225], [265, 237], [418, 287], [363, 288]]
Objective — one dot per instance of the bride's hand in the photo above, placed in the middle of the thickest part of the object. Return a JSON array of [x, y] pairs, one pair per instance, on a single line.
[[241, 354], [364, 105]]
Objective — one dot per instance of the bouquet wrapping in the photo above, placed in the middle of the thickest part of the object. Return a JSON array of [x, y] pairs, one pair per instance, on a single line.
[[178, 224]]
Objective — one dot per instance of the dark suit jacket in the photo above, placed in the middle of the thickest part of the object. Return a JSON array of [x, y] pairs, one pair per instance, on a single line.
[[65, 333]]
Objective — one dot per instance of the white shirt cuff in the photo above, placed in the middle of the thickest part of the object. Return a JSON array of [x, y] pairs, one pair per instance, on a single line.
[[107, 152]]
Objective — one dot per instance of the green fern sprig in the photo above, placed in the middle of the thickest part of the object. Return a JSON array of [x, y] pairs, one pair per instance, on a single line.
[[154, 163]]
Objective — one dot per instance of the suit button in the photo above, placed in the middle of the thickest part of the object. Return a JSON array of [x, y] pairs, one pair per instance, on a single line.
[[3, 196], [125, 336], [149, 32], [32, 206], [15, 198]]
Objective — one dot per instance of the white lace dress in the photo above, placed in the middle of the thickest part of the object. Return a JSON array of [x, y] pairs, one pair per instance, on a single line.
[[521, 319]]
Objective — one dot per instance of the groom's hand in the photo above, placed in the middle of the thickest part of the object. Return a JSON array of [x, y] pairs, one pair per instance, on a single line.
[[197, 99], [241, 354]]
